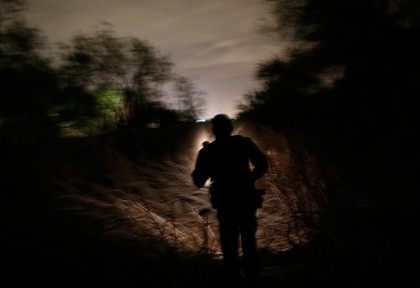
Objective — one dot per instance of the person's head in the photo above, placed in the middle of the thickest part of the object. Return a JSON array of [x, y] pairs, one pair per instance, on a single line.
[[222, 126]]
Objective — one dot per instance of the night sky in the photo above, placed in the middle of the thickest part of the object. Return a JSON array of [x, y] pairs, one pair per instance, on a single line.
[[216, 43]]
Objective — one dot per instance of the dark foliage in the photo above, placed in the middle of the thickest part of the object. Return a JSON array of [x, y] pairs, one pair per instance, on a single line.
[[349, 84], [100, 81]]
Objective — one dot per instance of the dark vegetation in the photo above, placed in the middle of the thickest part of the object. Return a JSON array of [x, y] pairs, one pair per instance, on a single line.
[[52, 237], [349, 84], [119, 209], [62, 115], [96, 82]]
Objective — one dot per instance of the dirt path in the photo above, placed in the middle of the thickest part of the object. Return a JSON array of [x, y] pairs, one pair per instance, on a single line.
[[105, 206]]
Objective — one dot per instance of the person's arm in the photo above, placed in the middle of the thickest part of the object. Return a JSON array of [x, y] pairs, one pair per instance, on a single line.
[[200, 173], [258, 159]]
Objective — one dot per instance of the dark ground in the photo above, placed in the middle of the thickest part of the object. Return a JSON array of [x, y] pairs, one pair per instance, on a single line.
[[54, 247]]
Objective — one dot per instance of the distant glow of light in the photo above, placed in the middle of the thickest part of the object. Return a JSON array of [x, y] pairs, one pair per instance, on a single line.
[[200, 120]]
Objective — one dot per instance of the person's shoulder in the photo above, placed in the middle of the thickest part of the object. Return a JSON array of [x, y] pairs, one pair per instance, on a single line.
[[242, 139], [242, 142], [206, 147]]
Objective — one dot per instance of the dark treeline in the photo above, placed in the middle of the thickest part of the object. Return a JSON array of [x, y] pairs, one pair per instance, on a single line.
[[349, 83], [97, 81]]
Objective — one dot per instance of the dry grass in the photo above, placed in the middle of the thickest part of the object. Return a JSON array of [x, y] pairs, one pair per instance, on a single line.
[[155, 204]]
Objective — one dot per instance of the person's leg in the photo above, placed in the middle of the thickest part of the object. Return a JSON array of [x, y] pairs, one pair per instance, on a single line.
[[229, 240], [248, 229]]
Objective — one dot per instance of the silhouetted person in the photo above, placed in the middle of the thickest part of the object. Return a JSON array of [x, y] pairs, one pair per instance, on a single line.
[[226, 161]]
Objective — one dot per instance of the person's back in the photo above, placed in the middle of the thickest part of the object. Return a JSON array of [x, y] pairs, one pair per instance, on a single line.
[[227, 162]]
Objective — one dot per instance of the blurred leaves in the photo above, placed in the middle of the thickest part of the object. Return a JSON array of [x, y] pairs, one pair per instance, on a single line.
[[189, 98], [349, 84], [99, 81], [127, 65], [349, 74]]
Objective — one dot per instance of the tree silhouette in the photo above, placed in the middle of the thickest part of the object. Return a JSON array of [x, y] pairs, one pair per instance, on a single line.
[[349, 84], [103, 61], [348, 80], [188, 97], [28, 83], [100, 80]]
